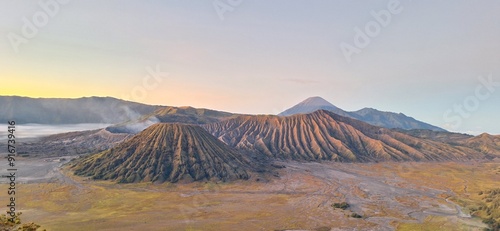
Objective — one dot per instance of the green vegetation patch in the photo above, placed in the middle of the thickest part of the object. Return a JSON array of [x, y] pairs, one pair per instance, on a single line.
[[489, 208], [343, 205]]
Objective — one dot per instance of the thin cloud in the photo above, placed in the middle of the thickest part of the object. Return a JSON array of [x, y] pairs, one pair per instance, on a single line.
[[300, 81]]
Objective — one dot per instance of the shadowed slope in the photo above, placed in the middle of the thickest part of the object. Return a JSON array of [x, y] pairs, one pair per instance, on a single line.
[[166, 152], [391, 120], [484, 143], [323, 135], [445, 137], [71, 143]]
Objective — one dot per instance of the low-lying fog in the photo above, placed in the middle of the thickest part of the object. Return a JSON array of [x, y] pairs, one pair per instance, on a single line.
[[39, 130]]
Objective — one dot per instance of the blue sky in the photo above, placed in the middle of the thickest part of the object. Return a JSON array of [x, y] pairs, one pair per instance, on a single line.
[[263, 56]]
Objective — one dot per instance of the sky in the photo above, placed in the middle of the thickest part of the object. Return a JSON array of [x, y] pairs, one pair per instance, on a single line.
[[437, 61]]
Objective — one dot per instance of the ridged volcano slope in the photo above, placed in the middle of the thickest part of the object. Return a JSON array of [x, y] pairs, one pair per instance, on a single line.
[[485, 143], [323, 135], [166, 152]]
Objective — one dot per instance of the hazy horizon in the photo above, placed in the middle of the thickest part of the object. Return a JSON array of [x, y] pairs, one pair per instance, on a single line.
[[91, 126], [32, 130], [420, 58]]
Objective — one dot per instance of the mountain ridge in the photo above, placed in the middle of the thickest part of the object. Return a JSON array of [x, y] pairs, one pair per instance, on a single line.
[[324, 135], [369, 115], [71, 111], [135, 115], [169, 114]]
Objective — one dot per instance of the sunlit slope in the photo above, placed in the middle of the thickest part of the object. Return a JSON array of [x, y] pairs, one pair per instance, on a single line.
[[323, 135], [485, 143]]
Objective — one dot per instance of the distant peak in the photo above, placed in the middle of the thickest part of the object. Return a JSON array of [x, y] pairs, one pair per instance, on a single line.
[[310, 105], [316, 100], [368, 109], [484, 134]]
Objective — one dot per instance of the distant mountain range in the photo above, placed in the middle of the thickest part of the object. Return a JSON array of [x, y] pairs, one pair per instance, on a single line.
[[131, 117], [128, 116], [368, 115], [70, 111]]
